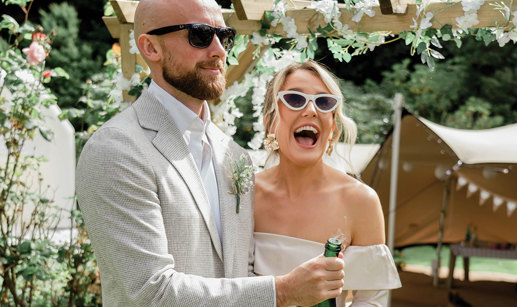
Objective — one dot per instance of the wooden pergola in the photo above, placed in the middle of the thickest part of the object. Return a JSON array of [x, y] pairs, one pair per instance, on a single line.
[[392, 16]]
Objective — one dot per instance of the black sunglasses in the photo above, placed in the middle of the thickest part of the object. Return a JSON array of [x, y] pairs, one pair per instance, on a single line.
[[201, 35]]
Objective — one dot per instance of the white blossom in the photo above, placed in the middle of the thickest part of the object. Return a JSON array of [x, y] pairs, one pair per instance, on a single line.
[[513, 35], [467, 21], [371, 46], [117, 95], [426, 21], [133, 49], [135, 79], [502, 37], [121, 82], [256, 141], [328, 8], [364, 7], [301, 41], [471, 5], [278, 12], [259, 40], [421, 6]]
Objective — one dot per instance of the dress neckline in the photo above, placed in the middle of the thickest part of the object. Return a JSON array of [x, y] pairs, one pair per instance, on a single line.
[[265, 234]]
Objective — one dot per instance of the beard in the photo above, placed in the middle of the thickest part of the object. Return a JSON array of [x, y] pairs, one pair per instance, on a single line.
[[194, 83]]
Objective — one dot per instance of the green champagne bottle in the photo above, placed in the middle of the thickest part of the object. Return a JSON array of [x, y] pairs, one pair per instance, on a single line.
[[332, 249]]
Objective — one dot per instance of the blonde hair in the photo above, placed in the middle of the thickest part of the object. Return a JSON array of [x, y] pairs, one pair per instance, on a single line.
[[344, 125]]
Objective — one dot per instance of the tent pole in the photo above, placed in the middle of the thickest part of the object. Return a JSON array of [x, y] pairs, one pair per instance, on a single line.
[[395, 145], [397, 111], [446, 192]]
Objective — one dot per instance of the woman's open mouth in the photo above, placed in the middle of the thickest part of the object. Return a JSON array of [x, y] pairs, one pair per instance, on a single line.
[[306, 136]]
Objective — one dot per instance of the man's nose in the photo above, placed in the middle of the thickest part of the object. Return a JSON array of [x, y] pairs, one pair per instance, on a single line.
[[217, 48]]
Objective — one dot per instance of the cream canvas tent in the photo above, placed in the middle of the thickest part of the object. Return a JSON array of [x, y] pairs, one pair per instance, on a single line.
[[476, 169]]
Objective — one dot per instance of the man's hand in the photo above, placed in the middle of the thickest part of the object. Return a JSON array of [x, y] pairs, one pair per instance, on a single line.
[[311, 282]]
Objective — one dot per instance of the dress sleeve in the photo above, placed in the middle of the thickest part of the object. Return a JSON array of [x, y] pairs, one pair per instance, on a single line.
[[370, 268], [369, 273]]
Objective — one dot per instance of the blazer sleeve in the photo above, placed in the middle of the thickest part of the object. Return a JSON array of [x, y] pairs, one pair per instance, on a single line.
[[117, 194]]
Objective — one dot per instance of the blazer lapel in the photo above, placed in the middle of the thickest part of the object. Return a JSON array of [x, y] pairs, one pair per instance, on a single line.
[[172, 146], [227, 201]]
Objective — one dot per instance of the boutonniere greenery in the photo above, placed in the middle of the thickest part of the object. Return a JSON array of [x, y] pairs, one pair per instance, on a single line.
[[242, 177]]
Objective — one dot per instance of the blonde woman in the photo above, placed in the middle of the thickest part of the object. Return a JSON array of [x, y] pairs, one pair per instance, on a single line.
[[301, 201]]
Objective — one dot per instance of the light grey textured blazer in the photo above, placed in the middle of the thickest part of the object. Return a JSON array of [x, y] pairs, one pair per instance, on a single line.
[[149, 219]]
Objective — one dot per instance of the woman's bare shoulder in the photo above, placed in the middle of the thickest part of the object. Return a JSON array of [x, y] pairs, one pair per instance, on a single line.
[[365, 212]]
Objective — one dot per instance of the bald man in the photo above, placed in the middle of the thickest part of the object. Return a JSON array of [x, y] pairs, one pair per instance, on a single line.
[[153, 182]]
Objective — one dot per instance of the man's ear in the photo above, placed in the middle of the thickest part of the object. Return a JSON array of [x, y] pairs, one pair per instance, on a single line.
[[150, 47]]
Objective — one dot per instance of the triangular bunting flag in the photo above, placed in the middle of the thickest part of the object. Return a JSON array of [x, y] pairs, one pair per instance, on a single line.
[[483, 196], [461, 183], [510, 207], [472, 188], [498, 201]]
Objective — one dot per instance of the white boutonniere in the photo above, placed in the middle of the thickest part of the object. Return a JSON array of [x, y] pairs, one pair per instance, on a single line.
[[242, 177]]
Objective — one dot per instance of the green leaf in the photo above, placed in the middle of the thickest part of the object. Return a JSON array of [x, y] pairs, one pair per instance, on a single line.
[[233, 60], [458, 42], [25, 247], [410, 37], [9, 23], [60, 72], [347, 57], [421, 47], [435, 54]]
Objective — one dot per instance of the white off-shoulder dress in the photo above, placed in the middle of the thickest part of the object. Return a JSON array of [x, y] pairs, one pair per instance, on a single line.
[[369, 270]]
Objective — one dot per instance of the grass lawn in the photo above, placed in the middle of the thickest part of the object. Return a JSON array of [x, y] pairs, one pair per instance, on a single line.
[[422, 255]]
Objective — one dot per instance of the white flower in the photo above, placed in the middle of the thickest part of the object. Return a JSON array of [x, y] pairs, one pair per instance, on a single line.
[[502, 37], [278, 13], [364, 7], [133, 49], [259, 40], [420, 7], [135, 79], [467, 21], [328, 8], [301, 41], [471, 5], [242, 176], [426, 21], [121, 82], [256, 141], [117, 95], [513, 35], [289, 26]]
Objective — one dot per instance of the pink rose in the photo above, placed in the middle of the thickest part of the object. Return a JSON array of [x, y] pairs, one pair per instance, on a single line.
[[35, 53], [47, 74]]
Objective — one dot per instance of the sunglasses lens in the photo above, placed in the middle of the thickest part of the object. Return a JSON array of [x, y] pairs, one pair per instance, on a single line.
[[201, 36], [294, 100], [226, 37], [326, 103]]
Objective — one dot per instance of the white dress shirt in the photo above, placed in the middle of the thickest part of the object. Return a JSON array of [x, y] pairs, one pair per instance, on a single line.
[[193, 129]]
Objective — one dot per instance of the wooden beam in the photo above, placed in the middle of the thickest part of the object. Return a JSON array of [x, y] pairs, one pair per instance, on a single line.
[[125, 10], [444, 13], [128, 59], [254, 9], [385, 6], [246, 62], [113, 25]]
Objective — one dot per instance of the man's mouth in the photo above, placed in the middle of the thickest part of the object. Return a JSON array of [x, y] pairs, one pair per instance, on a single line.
[[307, 136]]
